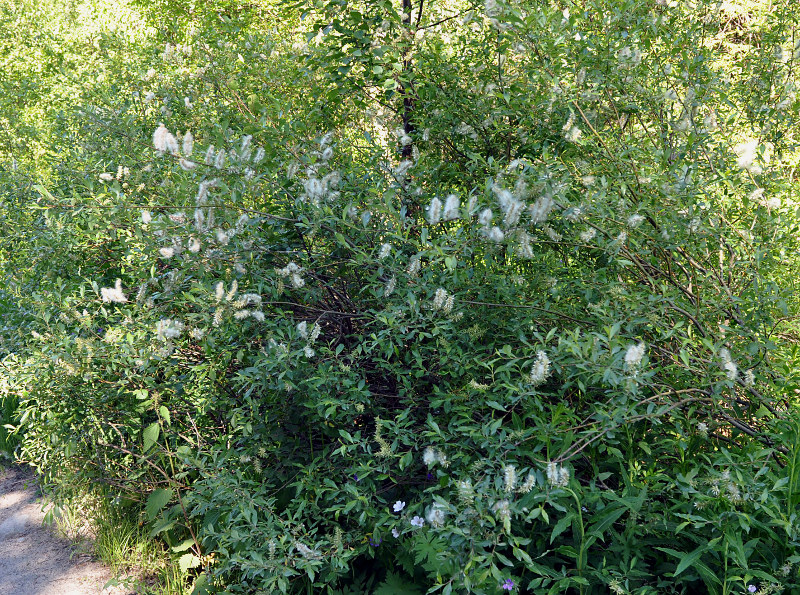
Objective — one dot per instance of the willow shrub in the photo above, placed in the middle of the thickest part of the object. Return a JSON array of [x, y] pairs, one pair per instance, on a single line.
[[513, 328]]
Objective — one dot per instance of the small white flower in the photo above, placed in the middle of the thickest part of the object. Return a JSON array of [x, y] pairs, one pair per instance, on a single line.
[[528, 485], [167, 252], [541, 209], [485, 218], [496, 234], [552, 234], [634, 355], [573, 134], [308, 352], [452, 208], [106, 177], [306, 551], [164, 141], [302, 329], [504, 197], [429, 456], [524, 248], [513, 213], [219, 160], [417, 521], [168, 328], [115, 294], [186, 164], [188, 144], [510, 477], [402, 169], [635, 220], [731, 371], [472, 204], [436, 515], [414, 266], [398, 506], [746, 154], [557, 475], [232, 291], [588, 235], [434, 211], [314, 189], [385, 250], [541, 369], [388, 289], [448, 304], [146, 217], [439, 299]]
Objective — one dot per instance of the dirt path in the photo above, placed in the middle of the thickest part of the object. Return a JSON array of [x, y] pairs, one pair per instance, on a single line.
[[33, 560]]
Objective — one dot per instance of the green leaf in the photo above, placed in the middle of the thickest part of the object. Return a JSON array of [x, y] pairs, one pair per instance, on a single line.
[[150, 435], [201, 586], [686, 560], [690, 559], [156, 501], [605, 519], [396, 585], [162, 525], [183, 546], [561, 526], [187, 561], [165, 415]]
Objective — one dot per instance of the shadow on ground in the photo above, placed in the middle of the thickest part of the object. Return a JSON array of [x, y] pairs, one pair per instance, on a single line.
[[33, 560]]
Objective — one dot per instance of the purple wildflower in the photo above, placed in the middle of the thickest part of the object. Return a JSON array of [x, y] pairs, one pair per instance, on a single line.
[[508, 585]]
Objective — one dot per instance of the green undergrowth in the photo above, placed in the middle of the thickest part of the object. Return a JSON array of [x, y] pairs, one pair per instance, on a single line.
[[118, 537]]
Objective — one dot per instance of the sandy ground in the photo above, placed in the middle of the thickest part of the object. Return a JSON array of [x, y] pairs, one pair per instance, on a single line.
[[33, 559]]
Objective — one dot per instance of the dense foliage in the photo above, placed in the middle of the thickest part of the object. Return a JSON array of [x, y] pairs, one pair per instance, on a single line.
[[405, 297]]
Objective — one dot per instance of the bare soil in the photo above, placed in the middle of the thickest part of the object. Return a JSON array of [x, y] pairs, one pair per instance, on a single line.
[[34, 560]]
